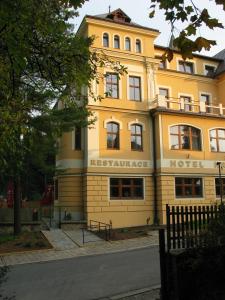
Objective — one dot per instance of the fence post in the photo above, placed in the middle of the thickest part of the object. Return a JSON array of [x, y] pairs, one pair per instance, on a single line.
[[50, 223], [168, 227], [59, 217], [163, 269], [83, 234]]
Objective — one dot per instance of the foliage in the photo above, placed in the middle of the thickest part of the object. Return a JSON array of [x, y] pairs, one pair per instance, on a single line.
[[42, 63], [194, 18], [200, 270]]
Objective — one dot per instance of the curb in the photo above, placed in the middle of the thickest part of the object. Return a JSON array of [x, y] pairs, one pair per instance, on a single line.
[[132, 293]]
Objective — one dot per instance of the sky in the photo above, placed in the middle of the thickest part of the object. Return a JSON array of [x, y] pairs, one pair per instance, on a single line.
[[138, 11]]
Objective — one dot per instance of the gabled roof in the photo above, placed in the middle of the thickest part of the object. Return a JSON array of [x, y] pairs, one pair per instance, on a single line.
[[221, 67], [119, 16]]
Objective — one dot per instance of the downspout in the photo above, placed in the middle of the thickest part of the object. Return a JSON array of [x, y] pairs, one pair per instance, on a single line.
[[154, 172]]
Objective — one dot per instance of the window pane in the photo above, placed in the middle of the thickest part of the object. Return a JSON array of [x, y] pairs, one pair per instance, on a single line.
[[137, 94], [138, 129], [221, 145], [174, 142], [188, 191], [126, 181], [132, 97], [126, 192], [181, 66], [209, 70], [137, 81], [164, 92], [138, 192], [105, 40], [212, 133], [127, 44], [221, 133], [138, 181], [114, 192], [116, 42], [186, 142], [114, 181], [179, 192], [213, 145], [174, 129], [196, 143], [133, 128], [138, 46], [115, 127], [178, 180], [138, 142]]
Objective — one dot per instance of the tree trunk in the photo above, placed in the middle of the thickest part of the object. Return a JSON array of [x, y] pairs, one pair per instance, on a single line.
[[17, 206]]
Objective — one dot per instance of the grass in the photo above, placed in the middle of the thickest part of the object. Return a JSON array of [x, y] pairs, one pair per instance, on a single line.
[[23, 242]]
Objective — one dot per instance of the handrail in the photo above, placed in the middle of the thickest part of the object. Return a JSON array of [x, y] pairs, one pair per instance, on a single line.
[[195, 106], [101, 226]]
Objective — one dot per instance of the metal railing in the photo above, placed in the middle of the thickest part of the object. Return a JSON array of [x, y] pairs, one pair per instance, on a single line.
[[101, 228]]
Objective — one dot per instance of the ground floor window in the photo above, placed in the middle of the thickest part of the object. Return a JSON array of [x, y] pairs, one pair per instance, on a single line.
[[126, 188], [217, 184], [188, 187]]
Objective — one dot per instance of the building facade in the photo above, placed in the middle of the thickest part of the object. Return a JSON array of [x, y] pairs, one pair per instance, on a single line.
[[159, 132]]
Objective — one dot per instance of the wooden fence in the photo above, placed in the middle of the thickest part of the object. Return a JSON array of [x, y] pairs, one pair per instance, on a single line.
[[185, 225]]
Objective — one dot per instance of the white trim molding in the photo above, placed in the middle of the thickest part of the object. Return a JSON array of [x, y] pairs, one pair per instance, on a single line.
[[136, 122], [113, 119]]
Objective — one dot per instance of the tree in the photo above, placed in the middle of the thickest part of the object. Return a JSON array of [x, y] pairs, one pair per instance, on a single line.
[[194, 18], [42, 62]]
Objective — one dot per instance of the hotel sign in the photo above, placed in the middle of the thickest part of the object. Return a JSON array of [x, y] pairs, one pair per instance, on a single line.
[[186, 164], [120, 163]]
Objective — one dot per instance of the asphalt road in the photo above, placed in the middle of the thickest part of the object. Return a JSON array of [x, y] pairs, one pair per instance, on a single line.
[[84, 278]]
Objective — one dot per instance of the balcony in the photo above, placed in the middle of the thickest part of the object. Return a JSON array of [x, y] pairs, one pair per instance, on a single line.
[[182, 105]]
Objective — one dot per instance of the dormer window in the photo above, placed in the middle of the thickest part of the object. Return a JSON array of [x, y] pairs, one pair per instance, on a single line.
[[138, 46], [186, 67], [116, 42], [127, 44], [105, 40], [209, 70]]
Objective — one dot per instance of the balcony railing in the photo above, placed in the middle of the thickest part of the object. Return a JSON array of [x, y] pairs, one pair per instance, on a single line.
[[179, 104]]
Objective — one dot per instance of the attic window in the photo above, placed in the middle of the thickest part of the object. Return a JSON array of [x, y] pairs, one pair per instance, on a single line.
[[119, 17], [209, 70]]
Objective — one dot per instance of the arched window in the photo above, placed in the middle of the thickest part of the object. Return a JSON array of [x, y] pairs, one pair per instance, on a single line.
[[113, 141], [138, 46], [217, 140], [116, 42], [185, 137], [105, 40], [136, 137], [127, 44]]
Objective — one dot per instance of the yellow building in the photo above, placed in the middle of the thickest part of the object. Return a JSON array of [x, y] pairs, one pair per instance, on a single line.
[[157, 137]]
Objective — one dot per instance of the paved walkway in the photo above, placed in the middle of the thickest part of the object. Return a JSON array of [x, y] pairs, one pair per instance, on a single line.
[[69, 244]]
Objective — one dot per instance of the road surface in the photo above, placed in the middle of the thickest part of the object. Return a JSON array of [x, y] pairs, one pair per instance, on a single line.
[[84, 278]]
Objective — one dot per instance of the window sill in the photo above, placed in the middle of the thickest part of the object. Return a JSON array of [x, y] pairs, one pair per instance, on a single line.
[[190, 198], [127, 199], [186, 150]]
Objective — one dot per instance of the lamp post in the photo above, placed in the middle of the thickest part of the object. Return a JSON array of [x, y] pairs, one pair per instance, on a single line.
[[219, 164]]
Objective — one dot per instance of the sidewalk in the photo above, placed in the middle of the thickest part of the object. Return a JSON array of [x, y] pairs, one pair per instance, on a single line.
[[67, 244]]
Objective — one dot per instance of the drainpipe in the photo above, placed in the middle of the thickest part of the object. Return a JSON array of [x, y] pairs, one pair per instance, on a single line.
[[154, 173]]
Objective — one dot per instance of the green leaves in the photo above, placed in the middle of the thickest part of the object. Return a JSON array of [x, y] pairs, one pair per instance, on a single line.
[[175, 11], [42, 62]]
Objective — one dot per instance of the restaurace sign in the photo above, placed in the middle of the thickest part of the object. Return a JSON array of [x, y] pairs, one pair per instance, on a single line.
[[119, 163]]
